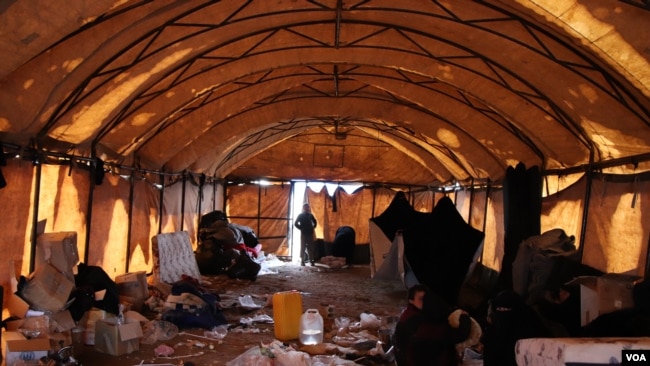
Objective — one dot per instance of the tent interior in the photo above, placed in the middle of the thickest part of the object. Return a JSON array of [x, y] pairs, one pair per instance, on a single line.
[[120, 120]]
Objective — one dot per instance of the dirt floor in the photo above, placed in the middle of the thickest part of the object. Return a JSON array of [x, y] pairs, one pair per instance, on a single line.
[[350, 290]]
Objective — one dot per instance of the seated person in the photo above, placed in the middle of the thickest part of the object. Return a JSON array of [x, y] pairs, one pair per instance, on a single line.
[[509, 319], [423, 335]]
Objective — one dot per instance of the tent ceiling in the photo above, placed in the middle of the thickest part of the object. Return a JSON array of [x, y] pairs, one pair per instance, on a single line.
[[392, 91]]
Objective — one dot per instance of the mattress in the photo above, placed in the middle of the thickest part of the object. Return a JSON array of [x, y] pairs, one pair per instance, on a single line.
[[576, 351]]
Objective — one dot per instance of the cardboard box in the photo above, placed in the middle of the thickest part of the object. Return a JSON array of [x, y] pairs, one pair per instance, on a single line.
[[133, 289], [59, 340], [17, 348], [615, 292], [58, 249], [604, 294], [88, 321], [588, 299], [16, 306], [47, 289], [117, 339], [62, 321], [40, 323]]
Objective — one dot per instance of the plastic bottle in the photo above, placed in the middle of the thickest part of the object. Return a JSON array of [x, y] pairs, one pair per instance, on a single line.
[[311, 327]]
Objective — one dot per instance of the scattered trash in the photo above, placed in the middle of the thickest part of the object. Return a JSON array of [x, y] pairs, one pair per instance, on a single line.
[[158, 330], [278, 353], [163, 350], [218, 332], [247, 303], [183, 356], [246, 330], [210, 338], [259, 318], [370, 321]]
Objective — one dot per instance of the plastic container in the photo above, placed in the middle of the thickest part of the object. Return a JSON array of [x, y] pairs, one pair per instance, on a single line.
[[287, 310], [311, 327], [78, 340]]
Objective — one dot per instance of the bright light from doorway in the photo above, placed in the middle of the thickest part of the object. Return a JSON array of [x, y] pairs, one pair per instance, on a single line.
[[300, 196]]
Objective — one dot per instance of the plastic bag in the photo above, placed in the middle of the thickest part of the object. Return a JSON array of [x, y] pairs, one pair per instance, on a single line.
[[370, 321], [158, 330], [218, 332], [247, 302], [252, 357]]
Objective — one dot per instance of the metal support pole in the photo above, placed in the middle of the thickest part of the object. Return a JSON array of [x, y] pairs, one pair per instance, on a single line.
[[183, 201], [130, 223], [585, 209], [161, 202], [37, 193]]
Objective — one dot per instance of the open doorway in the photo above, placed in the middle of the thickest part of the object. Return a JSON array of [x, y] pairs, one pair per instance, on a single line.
[[300, 196]]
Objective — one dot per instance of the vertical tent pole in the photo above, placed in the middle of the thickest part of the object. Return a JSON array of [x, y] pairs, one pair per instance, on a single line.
[[130, 223], [214, 194], [488, 190], [89, 211], [585, 209], [259, 206], [161, 201], [471, 201], [37, 194], [646, 273], [289, 221], [374, 200], [199, 204], [183, 202]]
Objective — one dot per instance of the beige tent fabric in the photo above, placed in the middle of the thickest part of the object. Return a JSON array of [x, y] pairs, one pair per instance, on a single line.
[[265, 209], [352, 210], [618, 219], [564, 210], [16, 223], [393, 93], [493, 249], [109, 228], [613, 240]]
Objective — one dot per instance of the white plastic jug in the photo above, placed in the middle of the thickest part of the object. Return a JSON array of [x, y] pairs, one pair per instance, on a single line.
[[311, 327]]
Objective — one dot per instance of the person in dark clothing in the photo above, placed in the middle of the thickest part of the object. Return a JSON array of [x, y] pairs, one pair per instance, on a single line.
[[509, 319], [423, 335], [306, 223]]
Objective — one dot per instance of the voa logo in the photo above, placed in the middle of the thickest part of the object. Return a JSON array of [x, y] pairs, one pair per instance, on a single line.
[[636, 357]]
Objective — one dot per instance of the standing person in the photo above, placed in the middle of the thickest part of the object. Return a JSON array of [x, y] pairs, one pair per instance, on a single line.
[[423, 335], [306, 223]]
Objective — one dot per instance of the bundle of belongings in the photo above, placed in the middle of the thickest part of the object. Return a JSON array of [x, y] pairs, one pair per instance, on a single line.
[[574, 299], [191, 306], [535, 260], [227, 248]]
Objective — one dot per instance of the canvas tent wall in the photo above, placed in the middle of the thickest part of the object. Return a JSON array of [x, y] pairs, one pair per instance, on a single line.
[[115, 226]]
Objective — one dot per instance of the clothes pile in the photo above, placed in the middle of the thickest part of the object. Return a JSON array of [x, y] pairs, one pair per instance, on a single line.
[[227, 248]]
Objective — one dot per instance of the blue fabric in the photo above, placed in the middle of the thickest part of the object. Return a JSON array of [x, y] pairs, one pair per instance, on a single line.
[[207, 318]]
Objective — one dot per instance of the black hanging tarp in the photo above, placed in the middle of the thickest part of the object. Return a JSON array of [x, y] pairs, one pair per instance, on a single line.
[[440, 249]]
